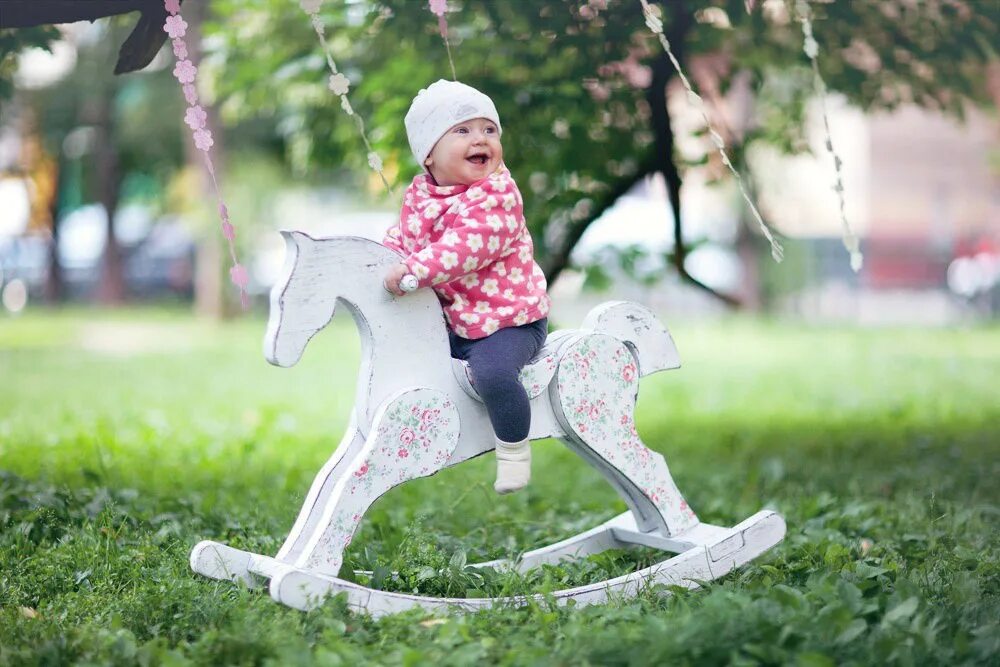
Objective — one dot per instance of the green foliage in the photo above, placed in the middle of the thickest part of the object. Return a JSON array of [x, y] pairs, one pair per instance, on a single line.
[[13, 42], [578, 130], [127, 437], [144, 112]]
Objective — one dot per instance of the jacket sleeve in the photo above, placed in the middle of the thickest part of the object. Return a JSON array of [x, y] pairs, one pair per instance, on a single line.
[[392, 240], [471, 244]]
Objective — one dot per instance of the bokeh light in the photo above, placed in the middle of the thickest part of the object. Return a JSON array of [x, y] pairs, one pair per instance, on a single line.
[[15, 296]]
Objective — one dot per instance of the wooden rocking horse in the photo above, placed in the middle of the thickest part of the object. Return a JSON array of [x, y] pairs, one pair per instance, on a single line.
[[417, 412]]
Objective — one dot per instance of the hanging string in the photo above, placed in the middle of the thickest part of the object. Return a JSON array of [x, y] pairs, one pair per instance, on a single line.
[[340, 85], [811, 48], [440, 8], [655, 24], [196, 118]]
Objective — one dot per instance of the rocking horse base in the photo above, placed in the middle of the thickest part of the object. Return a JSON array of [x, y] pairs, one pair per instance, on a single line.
[[705, 553]]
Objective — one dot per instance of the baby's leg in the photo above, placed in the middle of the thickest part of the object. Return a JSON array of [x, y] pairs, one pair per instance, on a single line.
[[495, 362]]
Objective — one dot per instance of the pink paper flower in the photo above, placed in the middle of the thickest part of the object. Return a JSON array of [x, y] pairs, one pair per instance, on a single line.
[[190, 93], [180, 49], [185, 71], [175, 26], [238, 274], [310, 6], [439, 7], [228, 231], [203, 139], [173, 6], [195, 117]]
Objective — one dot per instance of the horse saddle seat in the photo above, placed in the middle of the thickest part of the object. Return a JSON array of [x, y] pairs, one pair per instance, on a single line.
[[534, 377]]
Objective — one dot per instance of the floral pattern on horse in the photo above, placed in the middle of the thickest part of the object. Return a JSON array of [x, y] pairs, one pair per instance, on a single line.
[[414, 439], [598, 385]]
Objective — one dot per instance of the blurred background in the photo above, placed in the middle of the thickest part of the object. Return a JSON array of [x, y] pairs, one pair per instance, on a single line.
[[105, 200]]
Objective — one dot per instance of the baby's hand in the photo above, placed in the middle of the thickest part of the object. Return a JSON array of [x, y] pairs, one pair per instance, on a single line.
[[393, 276]]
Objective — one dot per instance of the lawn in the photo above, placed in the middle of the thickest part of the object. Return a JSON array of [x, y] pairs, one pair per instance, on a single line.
[[127, 437]]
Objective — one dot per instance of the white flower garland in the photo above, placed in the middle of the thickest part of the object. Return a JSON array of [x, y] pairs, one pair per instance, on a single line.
[[811, 48], [655, 24], [339, 85]]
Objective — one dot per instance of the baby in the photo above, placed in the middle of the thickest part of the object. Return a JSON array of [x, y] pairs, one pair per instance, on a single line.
[[462, 232]]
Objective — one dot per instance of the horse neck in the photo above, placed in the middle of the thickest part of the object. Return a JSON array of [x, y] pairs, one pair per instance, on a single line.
[[408, 331], [399, 336]]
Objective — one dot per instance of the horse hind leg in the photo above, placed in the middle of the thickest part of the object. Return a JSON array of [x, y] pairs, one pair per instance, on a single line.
[[594, 397]]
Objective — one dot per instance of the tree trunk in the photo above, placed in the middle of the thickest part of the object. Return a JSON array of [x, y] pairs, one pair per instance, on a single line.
[[55, 289], [661, 159], [666, 161], [111, 288]]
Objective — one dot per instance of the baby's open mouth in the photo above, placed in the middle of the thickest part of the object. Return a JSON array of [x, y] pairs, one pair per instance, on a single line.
[[478, 158]]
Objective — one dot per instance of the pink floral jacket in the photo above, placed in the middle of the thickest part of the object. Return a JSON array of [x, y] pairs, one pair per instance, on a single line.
[[470, 243]]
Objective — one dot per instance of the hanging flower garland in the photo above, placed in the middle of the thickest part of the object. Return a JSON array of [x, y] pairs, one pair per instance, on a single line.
[[440, 8], [195, 118], [655, 24], [811, 48], [339, 85]]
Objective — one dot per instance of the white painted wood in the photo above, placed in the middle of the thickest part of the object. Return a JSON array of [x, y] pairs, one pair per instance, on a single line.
[[416, 412], [219, 561], [645, 335], [319, 493], [305, 590], [414, 434]]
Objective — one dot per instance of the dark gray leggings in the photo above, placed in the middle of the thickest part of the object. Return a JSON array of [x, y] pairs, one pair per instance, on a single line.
[[495, 362]]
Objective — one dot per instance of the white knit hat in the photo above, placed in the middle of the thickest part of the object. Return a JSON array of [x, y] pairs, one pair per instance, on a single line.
[[440, 106]]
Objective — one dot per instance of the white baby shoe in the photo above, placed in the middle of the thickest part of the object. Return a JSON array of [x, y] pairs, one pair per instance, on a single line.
[[513, 465]]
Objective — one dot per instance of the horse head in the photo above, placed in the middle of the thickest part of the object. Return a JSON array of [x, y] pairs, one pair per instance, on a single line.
[[319, 274], [298, 307]]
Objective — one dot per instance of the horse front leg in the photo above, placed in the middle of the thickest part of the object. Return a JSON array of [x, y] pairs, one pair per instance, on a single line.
[[220, 561], [319, 493], [413, 435]]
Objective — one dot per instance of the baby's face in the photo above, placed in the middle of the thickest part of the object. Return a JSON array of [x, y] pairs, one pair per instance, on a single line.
[[468, 152]]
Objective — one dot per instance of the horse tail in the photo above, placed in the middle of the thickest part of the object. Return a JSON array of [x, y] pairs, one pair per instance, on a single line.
[[638, 327]]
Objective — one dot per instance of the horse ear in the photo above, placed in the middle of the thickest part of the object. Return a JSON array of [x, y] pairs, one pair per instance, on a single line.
[[300, 240]]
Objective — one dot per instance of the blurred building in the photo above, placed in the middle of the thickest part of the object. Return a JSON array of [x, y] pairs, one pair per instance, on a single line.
[[922, 192]]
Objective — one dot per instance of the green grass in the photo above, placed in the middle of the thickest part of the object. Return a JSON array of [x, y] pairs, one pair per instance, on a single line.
[[127, 437]]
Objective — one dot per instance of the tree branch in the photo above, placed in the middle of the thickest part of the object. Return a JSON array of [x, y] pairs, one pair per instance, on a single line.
[[136, 52], [555, 262]]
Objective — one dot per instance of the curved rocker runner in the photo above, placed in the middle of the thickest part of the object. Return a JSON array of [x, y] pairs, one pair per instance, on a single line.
[[415, 415]]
